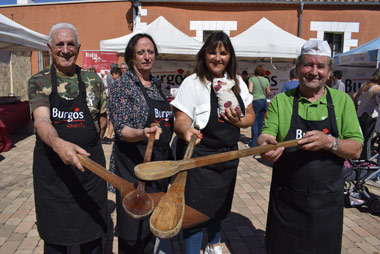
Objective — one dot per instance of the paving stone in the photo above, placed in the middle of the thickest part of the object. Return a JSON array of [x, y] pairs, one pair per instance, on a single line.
[[29, 243], [13, 221], [2, 240], [21, 251], [24, 227], [9, 247], [11, 208], [16, 237], [4, 217]]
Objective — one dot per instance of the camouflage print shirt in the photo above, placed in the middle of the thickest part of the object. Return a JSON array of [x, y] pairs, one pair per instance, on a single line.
[[39, 89]]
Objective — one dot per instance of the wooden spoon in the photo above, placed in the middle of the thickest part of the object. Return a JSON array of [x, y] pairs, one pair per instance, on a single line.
[[191, 218], [167, 217], [162, 169], [137, 203]]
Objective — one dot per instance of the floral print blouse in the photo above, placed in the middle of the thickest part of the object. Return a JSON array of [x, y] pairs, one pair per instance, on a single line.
[[127, 105]]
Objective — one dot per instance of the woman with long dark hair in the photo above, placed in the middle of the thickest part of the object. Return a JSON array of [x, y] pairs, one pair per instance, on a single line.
[[210, 189]]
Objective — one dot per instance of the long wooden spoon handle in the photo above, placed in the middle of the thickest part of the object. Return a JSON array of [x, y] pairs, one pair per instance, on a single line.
[[100, 171], [190, 147], [163, 169], [149, 147]]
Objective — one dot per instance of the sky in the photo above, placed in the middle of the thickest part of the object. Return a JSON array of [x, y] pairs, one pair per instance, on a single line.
[[11, 2]]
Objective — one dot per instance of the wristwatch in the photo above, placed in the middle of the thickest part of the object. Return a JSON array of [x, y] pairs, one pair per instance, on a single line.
[[335, 145]]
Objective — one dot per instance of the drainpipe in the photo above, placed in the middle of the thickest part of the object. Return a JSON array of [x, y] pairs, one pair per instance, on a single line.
[[300, 19], [135, 8]]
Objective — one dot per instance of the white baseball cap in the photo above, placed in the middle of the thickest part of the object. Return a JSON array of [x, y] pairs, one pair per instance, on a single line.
[[316, 47]]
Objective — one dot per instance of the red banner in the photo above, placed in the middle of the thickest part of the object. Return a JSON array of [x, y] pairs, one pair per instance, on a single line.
[[101, 60]]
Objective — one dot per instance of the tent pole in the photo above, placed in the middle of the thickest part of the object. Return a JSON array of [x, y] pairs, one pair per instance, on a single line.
[[11, 94]]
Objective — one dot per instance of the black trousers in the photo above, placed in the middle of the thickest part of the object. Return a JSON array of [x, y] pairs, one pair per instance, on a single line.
[[145, 246], [93, 247]]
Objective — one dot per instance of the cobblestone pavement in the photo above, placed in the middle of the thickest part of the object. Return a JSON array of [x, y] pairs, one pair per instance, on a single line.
[[242, 232]]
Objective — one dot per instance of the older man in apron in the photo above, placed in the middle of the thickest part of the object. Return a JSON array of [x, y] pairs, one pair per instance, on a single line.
[[305, 213], [68, 105]]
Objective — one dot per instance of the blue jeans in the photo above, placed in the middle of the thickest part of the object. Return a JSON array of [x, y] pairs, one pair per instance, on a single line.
[[260, 107], [193, 240]]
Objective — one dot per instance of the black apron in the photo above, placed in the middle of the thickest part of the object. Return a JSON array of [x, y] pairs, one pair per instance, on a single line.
[[71, 206], [305, 212], [210, 189], [128, 155]]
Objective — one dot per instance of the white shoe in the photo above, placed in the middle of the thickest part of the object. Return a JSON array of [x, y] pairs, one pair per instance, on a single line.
[[215, 249]]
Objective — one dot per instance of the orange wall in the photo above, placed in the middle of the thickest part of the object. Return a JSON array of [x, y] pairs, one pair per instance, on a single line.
[[94, 21], [369, 19], [180, 15]]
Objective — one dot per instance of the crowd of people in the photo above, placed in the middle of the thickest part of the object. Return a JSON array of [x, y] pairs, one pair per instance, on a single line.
[[70, 107]]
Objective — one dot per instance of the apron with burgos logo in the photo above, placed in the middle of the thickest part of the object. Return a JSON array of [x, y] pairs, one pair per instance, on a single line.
[[210, 189], [71, 205], [128, 155], [305, 213]]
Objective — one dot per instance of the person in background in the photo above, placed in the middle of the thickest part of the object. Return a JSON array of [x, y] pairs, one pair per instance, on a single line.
[[292, 83], [305, 213], [108, 139], [337, 82], [124, 68], [244, 76], [260, 89], [136, 101], [367, 110], [93, 69], [367, 95], [109, 75], [116, 73], [68, 106], [210, 189]]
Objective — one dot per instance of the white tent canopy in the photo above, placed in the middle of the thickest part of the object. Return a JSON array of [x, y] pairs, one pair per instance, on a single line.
[[366, 55], [15, 37], [167, 37], [262, 40], [266, 40]]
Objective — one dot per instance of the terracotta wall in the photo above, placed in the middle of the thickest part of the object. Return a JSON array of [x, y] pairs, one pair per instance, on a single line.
[[94, 21], [246, 15], [368, 17]]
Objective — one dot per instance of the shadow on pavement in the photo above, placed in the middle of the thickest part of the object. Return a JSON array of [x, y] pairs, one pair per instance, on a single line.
[[268, 164], [22, 133], [244, 139], [252, 237]]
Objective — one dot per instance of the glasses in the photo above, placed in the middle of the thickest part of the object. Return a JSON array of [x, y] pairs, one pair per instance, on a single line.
[[124, 68]]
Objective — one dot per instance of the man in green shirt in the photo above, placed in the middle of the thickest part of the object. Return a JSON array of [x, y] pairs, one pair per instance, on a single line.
[[305, 213]]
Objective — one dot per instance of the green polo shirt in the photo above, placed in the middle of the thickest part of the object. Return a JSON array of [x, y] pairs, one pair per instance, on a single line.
[[279, 114]]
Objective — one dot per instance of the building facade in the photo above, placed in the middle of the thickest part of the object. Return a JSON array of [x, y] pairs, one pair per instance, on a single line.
[[345, 24]]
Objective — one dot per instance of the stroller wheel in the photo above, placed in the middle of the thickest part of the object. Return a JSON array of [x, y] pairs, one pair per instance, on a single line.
[[374, 205]]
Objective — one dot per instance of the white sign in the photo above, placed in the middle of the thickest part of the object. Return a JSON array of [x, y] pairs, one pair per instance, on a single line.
[[354, 77], [172, 73]]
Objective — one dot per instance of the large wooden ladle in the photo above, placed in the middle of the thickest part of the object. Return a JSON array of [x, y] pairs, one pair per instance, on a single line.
[[167, 217], [191, 218], [137, 203], [162, 169]]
